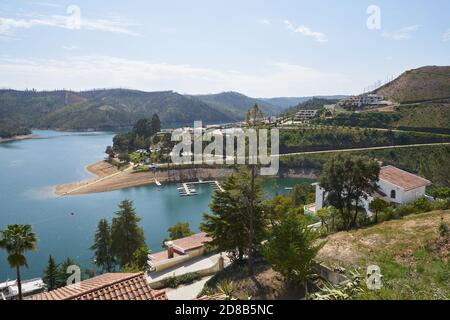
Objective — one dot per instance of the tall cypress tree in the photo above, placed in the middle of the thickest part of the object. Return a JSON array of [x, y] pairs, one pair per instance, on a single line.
[[102, 247], [126, 235], [156, 124], [51, 274]]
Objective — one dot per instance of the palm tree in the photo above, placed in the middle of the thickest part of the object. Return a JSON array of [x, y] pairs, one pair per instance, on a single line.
[[16, 239]]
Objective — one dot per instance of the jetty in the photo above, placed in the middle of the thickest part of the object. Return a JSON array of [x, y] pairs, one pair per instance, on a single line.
[[188, 188]]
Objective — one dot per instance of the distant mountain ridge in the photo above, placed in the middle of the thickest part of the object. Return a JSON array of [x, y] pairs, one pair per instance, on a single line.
[[108, 109], [236, 104], [101, 109], [287, 102]]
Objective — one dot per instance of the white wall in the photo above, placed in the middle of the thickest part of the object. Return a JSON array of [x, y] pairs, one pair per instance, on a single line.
[[319, 197], [402, 196]]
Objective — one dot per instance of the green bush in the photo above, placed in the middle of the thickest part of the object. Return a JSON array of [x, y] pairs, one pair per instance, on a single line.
[[188, 278], [421, 205]]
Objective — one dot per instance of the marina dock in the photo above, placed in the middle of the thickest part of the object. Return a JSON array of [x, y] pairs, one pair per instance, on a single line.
[[188, 188]]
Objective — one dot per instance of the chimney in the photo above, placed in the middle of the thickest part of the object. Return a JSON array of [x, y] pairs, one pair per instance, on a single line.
[[169, 249]]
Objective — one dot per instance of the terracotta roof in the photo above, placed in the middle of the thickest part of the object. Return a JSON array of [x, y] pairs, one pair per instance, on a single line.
[[108, 286], [192, 242], [401, 178], [161, 256]]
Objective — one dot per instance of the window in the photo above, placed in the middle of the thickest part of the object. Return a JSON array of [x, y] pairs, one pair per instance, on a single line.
[[393, 194]]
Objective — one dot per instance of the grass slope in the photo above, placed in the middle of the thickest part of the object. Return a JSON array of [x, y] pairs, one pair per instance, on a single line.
[[426, 83], [412, 264]]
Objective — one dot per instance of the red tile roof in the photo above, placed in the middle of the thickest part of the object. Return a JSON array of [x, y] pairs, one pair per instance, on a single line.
[[108, 286], [192, 242], [401, 178], [161, 256]]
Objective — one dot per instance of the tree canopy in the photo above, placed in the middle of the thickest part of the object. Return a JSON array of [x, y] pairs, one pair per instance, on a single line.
[[347, 180], [229, 221], [126, 235]]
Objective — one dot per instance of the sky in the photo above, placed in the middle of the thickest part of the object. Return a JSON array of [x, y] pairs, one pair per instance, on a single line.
[[259, 48]]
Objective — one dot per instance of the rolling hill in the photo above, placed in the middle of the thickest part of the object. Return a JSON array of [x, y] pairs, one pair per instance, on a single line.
[[417, 85], [236, 104], [102, 109], [120, 108]]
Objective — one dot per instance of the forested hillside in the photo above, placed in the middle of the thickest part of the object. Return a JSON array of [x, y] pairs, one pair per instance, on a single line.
[[101, 109], [313, 139], [236, 104]]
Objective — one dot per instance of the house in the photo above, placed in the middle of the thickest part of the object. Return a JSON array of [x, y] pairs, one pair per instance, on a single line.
[[361, 100], [10, 291], [108, 286], [305, 114], [395, 186], [179, 251]]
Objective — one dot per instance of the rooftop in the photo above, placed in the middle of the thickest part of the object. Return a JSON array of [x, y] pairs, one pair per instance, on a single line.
[[192, 242], [401, 178], [108, 286]]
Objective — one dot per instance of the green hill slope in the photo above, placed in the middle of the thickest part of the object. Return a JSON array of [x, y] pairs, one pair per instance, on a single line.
[[102, 109], [426, 83]]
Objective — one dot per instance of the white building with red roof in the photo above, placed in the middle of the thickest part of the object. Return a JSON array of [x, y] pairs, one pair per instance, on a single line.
[[394, 186]]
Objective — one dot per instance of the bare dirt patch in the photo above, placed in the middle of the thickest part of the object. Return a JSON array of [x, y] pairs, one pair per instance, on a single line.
[[399, 237]]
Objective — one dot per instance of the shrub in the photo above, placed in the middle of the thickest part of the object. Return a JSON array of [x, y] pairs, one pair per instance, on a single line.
[[421, 205], [188, 278]]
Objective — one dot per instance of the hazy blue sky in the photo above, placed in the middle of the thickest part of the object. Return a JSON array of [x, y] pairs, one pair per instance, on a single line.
[[259, 48]]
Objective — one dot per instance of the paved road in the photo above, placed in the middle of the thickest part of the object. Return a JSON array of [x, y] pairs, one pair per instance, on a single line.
[[364, 149]]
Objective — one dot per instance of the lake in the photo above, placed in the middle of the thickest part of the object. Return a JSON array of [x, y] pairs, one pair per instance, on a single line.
[[29, 170]]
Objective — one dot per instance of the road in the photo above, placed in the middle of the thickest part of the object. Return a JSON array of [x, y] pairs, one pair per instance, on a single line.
[[364, 149]]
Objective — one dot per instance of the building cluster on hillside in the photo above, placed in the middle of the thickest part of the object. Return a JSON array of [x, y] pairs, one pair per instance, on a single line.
[[302, 115], [361, 100]]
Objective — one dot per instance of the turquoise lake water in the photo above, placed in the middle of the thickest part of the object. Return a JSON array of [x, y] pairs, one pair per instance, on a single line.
[[29, 170]]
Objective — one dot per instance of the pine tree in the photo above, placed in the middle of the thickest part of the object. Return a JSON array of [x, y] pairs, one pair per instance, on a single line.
[[51, 274], [291, 248], [102, 247], [126, 235], [230, 218]]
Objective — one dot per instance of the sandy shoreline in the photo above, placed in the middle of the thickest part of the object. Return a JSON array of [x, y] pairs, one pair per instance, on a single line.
[[17, 138], [109, 178]]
